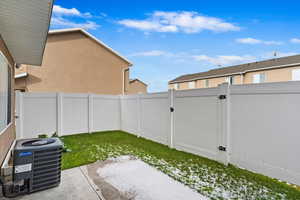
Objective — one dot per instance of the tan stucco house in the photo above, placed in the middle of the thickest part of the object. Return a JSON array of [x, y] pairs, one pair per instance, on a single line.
[[273, 70], [137, 86], [23, 36], [77, 62]]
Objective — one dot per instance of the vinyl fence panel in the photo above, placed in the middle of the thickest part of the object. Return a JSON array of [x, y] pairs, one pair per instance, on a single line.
[[265, 129], [106, 112], [130, 113], [155, 117], [38, 114], [75, 114]]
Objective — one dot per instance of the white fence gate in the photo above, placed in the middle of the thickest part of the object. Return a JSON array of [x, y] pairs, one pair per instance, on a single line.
[[253, 126]]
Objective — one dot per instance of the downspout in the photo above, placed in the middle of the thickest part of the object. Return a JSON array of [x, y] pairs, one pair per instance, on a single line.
[[123, 84], [242, 78]]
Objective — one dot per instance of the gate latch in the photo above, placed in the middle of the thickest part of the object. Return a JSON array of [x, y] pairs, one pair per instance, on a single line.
[[221, 148], [222, 96]]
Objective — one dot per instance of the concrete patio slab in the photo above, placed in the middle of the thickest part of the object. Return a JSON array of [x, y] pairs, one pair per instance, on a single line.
[[122, 178], [74, 186]]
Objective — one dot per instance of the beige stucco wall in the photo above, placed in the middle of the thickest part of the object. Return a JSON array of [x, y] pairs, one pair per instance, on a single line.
[[7, 137], [238, 79], [137, 87], [74, 63], [214, 82], [183, 86], [272, 75]]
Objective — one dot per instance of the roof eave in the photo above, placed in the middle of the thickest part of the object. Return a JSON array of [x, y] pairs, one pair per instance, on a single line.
[[23, 31], [236, 73]]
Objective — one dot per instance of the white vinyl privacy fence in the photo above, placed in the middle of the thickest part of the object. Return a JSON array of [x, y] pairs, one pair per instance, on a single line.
[[252, 126]]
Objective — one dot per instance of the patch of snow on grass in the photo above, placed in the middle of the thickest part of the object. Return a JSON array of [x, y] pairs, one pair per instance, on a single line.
[[213, 182], [144, 181]]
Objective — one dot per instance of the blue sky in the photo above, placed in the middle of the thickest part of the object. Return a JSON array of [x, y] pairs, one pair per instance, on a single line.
[[165, 39]]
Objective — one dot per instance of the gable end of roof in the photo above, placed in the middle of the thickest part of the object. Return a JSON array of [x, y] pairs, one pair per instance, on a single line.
[[53, 32]]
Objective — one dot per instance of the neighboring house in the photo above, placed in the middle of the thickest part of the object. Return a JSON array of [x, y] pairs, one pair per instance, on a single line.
[[273, 70], [76, 62], [23, 35], [137, 86]]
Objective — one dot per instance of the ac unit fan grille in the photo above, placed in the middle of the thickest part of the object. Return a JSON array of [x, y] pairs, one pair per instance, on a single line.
[[46, 168]]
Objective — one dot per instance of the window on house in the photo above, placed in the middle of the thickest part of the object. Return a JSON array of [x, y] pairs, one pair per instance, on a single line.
[[5, 93], [192, 85], [259, 78], [9, 89], [176, 86], [296, 75], [207, 83]]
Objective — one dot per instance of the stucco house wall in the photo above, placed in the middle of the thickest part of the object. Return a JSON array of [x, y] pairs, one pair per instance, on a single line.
[[137, 87], [75, 63]]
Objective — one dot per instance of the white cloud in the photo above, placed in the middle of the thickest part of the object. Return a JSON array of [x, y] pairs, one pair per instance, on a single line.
[[224, 59], [68, 18], [62, 22], [257, 41], [295, 40], [102, 14], [248, 41], [187, 22], [58, 10], [150, 53]]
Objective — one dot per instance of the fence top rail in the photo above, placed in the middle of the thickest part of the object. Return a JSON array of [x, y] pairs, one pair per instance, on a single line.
[[101, 96], [129, 96], [291, 87], [38, 95], [154, 95], [75, 95]]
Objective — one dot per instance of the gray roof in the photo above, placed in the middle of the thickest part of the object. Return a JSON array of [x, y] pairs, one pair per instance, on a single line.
[[238, 69]]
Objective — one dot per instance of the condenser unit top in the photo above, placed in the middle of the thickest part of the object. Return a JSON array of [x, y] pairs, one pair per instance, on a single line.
[[38, 144]]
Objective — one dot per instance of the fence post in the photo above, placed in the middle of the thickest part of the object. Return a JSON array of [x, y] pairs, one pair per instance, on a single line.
[[19, 115], [59, 113], [224, 123], [171, 110], [139, 115], [120, 112], [90, 113]]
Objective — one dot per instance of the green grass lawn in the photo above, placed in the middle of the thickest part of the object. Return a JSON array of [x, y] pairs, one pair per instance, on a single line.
[[208, 177]]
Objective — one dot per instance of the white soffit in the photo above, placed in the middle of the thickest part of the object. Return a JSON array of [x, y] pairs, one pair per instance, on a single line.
[[24, 26]]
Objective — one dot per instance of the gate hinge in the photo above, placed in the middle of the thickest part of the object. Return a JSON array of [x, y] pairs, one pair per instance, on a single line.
[[171, 109], [222, 96], [222, 148]]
